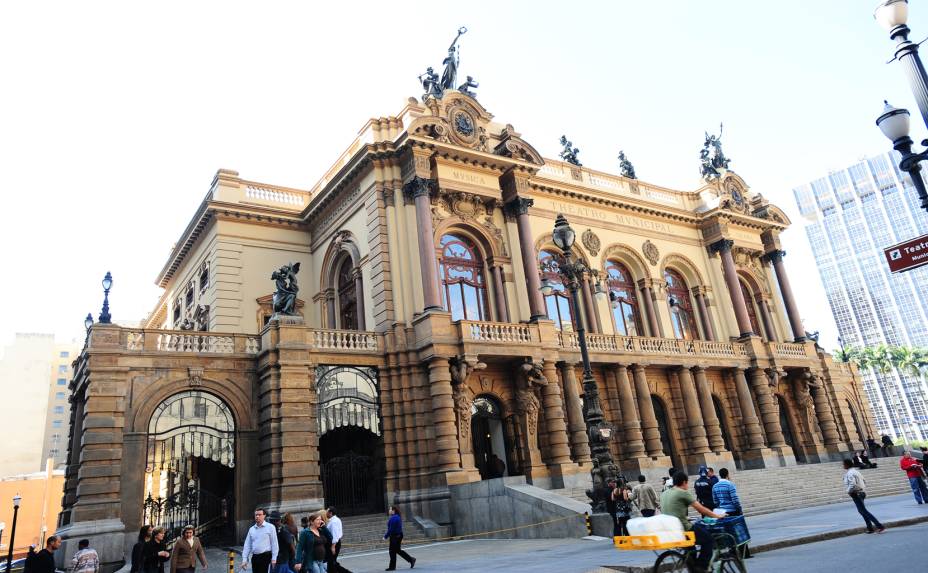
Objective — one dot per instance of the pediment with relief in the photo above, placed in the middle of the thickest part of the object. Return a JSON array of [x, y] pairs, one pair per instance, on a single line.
[[457, 119]]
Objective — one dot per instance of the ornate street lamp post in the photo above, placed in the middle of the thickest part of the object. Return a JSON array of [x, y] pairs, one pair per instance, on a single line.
[[107, 285], [9, 555], [598, 430], [894, 123]]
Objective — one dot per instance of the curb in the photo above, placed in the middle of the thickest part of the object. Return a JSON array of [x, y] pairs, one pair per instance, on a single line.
[[781, 544]]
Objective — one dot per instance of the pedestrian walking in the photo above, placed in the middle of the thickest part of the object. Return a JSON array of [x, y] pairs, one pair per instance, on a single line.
[[702, 487], [260, 545], [286, 544], [310, 549], [335, 527], [186, 551], [856, 487], [44, 561], [138, 550], [395, 535], [85, 560], [623, 507], [888, 445], [612, 507], [155, 552], [916, 474], [645, 497]]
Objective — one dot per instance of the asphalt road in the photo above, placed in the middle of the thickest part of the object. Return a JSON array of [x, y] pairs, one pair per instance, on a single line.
[[897, 550]]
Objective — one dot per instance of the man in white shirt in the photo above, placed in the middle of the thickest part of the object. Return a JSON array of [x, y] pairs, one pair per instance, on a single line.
[[334, 525], [260, 544]]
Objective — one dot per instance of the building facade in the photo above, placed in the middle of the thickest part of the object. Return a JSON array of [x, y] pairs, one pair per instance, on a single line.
[[34, 377], [38, 508], [851, 216], [425, 356]]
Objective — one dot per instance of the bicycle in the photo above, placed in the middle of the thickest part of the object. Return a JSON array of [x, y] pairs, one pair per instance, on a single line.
[[725, 557]]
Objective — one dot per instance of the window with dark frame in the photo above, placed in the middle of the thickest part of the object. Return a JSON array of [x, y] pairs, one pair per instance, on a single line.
[[623, 300], [462, 278], [681, 306], [558, 302]]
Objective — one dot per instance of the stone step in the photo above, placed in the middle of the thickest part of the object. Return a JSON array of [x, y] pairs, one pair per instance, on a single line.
[[365, 532]]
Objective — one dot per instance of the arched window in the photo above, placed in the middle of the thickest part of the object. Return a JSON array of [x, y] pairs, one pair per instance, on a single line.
[[681, 306], [623, 299], [462, 279], [751, 305], [558, 302], [347, 296]]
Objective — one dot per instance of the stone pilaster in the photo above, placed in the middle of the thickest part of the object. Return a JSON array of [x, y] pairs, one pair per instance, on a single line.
[[770, 415], [420, 189], [443, 418], [789, 300], [696, 429], [558, 454], [723, 248], [652, 436], [711, 420], [634, 443], [825, 415], [756, 455], [518, 208]]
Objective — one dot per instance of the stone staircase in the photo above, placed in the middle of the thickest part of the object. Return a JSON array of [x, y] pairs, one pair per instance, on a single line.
[[794, 487], [365, 532]]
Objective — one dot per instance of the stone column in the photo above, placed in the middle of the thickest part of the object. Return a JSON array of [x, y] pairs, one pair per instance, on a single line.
[[443, 419], [792, 311], [652, 436], [824, 413], [558, 449], [579, 442], [723, 248], [330, 308], [770, 332], [502, 313], [589, 305], [518, 207], [611, 397], [768, 410], [647, 299], [420, 188], [713, 426], [698, 443], [359, 296], [699, 293], [749, 420], [633, 441]]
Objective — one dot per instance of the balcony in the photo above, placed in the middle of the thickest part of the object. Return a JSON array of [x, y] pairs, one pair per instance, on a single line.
[[183, 341], [602, 346]]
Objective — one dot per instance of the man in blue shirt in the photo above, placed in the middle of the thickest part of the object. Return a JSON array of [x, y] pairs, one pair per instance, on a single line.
[[725, 495], [260, 545]]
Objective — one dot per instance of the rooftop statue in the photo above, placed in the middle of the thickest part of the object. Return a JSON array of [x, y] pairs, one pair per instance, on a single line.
[[430, 83], [626, 169], [285, 297], [712, 157], [570, 153], [465, 87], [450, 75]]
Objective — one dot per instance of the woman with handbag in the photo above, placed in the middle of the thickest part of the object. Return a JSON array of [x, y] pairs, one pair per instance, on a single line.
[[856, 487]]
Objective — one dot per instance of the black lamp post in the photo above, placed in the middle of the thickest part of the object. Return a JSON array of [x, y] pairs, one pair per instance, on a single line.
[[9, 555], [894, 123], [107, 285], [598, 430]]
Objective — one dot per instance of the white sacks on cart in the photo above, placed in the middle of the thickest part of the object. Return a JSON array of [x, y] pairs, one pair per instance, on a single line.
[[667, 528]]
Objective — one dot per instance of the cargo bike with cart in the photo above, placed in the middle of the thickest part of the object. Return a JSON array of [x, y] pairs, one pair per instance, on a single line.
[[730, 536]]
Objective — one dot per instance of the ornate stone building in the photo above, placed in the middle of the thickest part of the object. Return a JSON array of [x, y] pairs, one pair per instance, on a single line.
[[426, 355]]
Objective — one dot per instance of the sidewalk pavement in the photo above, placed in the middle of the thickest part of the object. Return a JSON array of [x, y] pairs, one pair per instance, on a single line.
[[768, 532]]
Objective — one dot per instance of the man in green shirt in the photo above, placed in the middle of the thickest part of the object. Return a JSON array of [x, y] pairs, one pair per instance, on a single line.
[[676, 501]]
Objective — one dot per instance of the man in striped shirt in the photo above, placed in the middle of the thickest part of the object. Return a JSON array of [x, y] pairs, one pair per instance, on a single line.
[[725, 495]]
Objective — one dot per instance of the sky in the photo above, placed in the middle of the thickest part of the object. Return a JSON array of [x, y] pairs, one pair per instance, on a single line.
[[114, 116]]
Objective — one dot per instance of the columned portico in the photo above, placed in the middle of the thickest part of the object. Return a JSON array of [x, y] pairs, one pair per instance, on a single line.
[[789, 300], [723, 248]]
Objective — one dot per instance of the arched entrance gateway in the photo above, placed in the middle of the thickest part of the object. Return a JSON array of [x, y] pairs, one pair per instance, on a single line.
[[351, 459], [491, 454], [189, 473]]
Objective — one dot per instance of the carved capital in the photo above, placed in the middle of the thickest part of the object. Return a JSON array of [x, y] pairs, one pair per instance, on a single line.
[[775, 256], [417, 187], [463, 366], [721, 246], [518, 206], [389, 196]]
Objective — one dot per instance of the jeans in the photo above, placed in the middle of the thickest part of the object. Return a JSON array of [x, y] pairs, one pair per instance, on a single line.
[[705, 543], [317, 567], [865, 513], [919, 489], [283, 568]]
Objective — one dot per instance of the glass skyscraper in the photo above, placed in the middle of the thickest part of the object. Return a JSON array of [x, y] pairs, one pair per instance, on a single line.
[[851, 216]]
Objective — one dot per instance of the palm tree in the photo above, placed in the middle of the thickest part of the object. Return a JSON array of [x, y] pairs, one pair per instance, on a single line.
[[846, 354]]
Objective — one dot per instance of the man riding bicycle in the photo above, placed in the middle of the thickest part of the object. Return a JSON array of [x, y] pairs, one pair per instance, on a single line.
[[676, 501]]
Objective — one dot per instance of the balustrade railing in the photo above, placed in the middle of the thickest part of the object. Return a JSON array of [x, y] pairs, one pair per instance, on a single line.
[[647, 345], [153, 340], [344, 340], [789, 349], [502, 332]]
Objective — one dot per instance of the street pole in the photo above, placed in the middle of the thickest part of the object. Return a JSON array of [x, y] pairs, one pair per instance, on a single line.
[[9, 555], [598, 431]]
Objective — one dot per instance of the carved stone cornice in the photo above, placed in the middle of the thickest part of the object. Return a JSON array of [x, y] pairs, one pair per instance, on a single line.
[[721, 246], [775, 256]]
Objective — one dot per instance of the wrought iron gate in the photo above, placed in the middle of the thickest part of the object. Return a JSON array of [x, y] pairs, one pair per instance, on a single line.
[[352, 484]]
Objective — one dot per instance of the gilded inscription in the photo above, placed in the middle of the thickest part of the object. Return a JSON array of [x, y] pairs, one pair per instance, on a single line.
[[468, 177], [600, 215]]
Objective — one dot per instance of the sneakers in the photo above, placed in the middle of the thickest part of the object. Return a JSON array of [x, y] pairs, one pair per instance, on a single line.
[[412, 563]]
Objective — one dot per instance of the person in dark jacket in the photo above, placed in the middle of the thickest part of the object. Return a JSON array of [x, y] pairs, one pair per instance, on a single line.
[[702, 487], [139, 548], [44, 561], [155, 553], [395, 535]]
